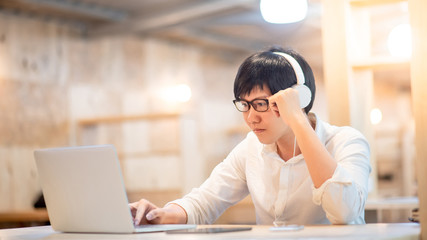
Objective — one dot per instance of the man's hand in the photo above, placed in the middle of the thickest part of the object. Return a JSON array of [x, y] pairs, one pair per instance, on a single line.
[[145, 212], [141, 211], [285, 104]]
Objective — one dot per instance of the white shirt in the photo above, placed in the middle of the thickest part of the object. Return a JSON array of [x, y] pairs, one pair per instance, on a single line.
[[284, 190]]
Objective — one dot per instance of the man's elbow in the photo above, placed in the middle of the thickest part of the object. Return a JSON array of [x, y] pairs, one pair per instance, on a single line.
[[344, 208], [345, 216]]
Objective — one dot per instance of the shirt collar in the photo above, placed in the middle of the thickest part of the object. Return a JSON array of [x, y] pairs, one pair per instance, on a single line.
[[271, 149], [320, 129]]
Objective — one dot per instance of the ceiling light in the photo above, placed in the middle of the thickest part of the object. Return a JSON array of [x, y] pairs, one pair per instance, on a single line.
[[399, 41], [178, 93], [283, 11], [376, 116]]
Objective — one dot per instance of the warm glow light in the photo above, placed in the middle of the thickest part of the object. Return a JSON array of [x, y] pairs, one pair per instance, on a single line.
[[376, 116], [399, 41], [283, 11], [178, 93]]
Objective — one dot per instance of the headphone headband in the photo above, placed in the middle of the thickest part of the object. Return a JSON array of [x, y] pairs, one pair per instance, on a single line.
[[304, 92], [295, 65]]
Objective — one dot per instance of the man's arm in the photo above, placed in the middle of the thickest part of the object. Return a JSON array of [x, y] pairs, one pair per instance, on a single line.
[[320, 163]]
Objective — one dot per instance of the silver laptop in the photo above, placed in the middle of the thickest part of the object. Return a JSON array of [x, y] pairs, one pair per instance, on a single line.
[[84, 191]]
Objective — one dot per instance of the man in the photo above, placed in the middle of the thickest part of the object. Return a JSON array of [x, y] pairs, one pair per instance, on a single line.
[[297, 168]]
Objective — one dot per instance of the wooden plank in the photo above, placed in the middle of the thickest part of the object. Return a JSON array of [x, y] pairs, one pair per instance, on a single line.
[[37, 215], [417, 12], [152, 153], [392, 203], [369, 3], [379, 63], [335, 63], [125, 118]]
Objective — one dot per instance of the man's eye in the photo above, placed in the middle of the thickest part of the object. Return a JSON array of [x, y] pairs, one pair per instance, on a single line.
[[261, 104]]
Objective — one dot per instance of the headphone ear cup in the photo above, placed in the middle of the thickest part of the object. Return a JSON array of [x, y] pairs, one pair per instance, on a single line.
[[304, 94]]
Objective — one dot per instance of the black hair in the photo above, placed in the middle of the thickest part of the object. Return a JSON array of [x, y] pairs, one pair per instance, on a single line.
[[272, 70]]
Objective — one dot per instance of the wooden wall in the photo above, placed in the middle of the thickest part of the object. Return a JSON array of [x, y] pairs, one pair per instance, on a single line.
[[51, 76]]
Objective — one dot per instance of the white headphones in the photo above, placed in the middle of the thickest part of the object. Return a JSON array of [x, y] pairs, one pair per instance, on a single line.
[[304, 92]]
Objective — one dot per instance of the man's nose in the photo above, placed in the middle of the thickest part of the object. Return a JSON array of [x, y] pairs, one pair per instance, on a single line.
[[253, 116]]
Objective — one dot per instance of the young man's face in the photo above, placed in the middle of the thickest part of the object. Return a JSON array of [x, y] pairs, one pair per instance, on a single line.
[[266, 125]]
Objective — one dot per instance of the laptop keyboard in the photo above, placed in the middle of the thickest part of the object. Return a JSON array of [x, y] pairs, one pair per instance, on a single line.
[[162, 227]]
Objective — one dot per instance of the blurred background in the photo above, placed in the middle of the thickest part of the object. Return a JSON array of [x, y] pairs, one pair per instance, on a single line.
[[155, 78]]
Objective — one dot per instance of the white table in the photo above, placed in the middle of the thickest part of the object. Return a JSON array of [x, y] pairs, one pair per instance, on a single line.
[[368, 231]]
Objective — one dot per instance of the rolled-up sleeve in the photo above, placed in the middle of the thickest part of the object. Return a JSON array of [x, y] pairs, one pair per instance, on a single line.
[[225, 187], [343, 196]]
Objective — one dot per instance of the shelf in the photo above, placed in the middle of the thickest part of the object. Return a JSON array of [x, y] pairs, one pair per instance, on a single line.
[[120, 119], [162, 153], [392, 203], [379, 63], [36, 215], [369, 3], [170, 136]]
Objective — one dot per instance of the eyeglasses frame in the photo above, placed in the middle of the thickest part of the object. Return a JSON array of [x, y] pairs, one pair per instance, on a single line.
[[251, 103]]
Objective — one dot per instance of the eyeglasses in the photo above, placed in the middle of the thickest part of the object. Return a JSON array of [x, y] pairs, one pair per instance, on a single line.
[[260, 105]]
